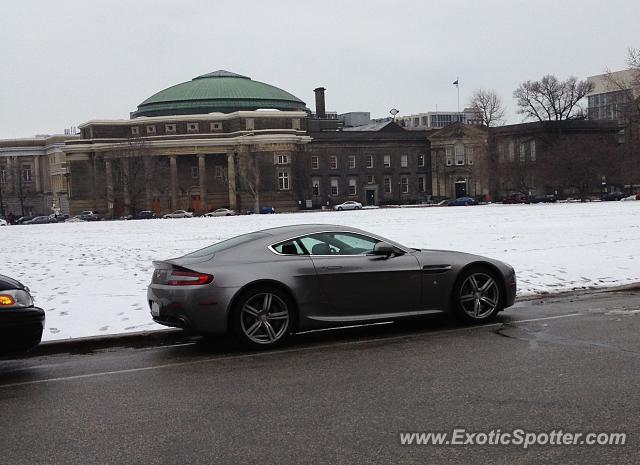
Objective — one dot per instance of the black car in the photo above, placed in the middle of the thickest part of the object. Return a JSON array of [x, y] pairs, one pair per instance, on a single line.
[[21, 323], [40, 220], [144, 215], [549, 198], [614, 196]]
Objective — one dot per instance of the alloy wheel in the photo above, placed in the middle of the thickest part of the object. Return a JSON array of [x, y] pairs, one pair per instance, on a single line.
[[479, 295], [264, 318]]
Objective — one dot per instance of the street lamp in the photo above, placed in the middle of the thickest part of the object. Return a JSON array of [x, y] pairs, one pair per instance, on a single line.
[[394, 112]]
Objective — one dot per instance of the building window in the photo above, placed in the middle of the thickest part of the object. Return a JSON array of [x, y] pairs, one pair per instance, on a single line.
[[424, 121], [416, 122], [352, 161], [532, 148], [315, 164], [219, 172], [333, 162], [449, 155], [370, 179], [193, 127], [282, 159], [135, 131], [421, 184], [500, 153], [3, 175], [334, 188], [512, 152], [420, 160], [283, 180], [170, 128], [249, 126], [459, 154], [387, 161], [194, 172], [151, 129], [469, 155], [369, 161], [387, 185], [404, 161], [215, 127], [352, 186], [26, 173], [315, 187], [523, 152], [404, 185]]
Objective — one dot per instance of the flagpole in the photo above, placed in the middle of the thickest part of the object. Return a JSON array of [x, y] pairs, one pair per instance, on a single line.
[[458, 88]]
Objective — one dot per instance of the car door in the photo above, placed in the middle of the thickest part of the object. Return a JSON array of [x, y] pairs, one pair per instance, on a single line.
[[359, 285]]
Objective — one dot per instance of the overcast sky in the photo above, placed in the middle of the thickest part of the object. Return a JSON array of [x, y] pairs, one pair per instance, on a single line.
[[66, 62]]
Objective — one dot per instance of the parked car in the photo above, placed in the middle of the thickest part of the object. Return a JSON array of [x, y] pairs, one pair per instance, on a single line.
[[267, 210], [22, 219], [179, 214], [3, 222], [630, 197], [144, 215], [516, 197], [21, 323], [40, 220], [89, 215], [221, 212], [348, 205], [264, 285], [462, 201], [616, 195], [549, 198]]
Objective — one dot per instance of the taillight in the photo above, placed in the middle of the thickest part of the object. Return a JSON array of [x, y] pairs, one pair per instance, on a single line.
[[188, 278]]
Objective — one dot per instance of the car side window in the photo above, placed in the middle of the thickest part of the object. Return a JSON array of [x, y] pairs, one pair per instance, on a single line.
[[338, 244], [289, 248]]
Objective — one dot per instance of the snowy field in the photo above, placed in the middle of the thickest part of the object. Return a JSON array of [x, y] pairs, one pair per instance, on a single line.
[[91, 278]]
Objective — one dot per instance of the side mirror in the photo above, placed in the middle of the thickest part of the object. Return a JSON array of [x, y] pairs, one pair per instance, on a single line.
[[383, 248]]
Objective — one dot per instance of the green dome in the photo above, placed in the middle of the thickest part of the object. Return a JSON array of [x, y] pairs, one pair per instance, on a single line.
[[220, 91]]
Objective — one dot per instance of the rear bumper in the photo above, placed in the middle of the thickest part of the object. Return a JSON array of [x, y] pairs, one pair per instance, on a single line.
[[203, 309], [21, 329]]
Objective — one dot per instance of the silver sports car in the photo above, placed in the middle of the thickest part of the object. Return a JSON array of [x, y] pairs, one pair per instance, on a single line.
[[265, 285]]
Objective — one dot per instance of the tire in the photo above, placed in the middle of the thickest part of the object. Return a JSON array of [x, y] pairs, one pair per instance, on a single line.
[[358, 208], [477, 296], [262, 317], [339, 209]]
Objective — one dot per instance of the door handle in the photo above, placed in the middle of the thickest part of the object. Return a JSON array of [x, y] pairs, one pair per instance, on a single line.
[[332, 267]]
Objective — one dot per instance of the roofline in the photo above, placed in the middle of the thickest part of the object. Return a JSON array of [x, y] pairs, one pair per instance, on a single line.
[[200, 117]]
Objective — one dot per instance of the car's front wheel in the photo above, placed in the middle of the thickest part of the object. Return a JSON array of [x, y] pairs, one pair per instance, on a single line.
[[262, 317], [477, 296]]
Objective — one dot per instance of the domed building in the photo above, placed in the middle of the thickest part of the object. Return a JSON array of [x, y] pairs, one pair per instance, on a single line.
[[225, 140], [218, 92]]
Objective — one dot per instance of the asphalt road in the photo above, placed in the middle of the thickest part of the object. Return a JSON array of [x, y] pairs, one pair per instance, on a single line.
[[570, 363]]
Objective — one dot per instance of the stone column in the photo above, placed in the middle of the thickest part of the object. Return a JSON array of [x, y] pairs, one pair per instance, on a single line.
[[202, 176], [14, 172], [231, 176], [94, 177], [126, 180], [148, 201], [108, 174], [36, 174], [174, 181]]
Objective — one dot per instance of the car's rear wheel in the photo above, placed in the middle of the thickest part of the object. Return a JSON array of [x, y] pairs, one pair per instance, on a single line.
[[477, 296], [263, 317], [339, 209]]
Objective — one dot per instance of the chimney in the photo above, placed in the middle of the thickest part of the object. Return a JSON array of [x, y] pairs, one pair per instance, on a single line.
[[320, 110]]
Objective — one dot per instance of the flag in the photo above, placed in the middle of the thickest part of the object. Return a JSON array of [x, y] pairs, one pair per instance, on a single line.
[[455, 83]]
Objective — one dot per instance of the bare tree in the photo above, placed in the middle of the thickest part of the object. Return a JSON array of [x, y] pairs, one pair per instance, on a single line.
[[139, 174], [249, 176], [489, 106], [551, 99]]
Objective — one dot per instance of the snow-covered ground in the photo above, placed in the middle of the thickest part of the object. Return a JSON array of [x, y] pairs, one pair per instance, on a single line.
[[91, 278]]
